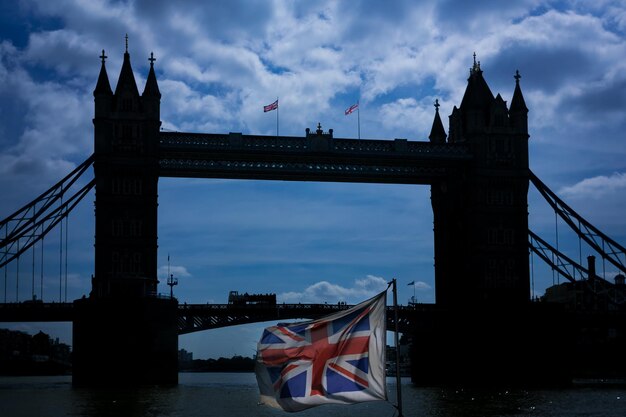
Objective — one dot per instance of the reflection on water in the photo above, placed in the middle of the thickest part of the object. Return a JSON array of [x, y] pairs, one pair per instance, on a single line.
[[137, 402], [220, 394]]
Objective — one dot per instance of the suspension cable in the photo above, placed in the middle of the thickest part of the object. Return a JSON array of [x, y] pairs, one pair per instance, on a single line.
[[67, 221], [557, 243], [6, 231], [47, 223], [17, 276], [32, 295], [608, 248], [41, 269], [580, 246], [532, 274], [24, 224], [61, 257], [594, 284]]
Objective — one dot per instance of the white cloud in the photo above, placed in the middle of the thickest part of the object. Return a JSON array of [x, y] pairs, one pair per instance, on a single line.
[[596, 187], [325, 291], [405, 112], [177, 270]]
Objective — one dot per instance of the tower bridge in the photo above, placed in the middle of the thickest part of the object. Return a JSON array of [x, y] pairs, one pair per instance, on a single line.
[[483, 324]]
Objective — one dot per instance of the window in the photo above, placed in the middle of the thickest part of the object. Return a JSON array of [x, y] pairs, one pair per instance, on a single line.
[[135, 266]]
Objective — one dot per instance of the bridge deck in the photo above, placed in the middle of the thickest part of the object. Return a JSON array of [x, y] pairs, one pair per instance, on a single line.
[[310, 158], [198, 317]]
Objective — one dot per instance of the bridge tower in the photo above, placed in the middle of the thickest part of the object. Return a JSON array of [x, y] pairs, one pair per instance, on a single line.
[[126, 127], [481, 210], [485, 331], [123, 323]]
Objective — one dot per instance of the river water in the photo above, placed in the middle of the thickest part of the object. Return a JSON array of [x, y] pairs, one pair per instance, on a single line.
[[236, 395]]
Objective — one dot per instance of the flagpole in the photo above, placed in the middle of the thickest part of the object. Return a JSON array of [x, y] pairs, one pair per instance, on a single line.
[[277, 110], [358, 118], [398, 379]]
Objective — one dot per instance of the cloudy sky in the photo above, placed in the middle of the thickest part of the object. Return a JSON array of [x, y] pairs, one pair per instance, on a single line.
[[219, 63]]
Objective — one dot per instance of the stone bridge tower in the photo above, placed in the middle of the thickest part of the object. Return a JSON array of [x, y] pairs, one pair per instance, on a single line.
[[126, 127], [481, 210], [123, 325]]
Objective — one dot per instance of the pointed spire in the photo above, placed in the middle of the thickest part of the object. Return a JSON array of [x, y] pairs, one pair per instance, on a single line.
[[478, 95], [476, 67], [103, 86], [126, 81], [517, 102], [437, 132], [152, 88]]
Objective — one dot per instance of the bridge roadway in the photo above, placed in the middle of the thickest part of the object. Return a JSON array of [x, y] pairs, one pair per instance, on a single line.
[[198, 317], [315, 157]]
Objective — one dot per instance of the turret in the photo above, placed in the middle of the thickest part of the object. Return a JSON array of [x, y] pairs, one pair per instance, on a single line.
[[476, 103], [126, 92], [518, 111], [151, 97], [102, 94], [437, 132], [151, 103]]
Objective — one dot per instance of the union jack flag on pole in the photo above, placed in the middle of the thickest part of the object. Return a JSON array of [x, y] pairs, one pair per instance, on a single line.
[[337, 359], [270, 107], [352, 108]]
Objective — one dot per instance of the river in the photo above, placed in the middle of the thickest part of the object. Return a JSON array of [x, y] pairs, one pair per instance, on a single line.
[[235, 395]]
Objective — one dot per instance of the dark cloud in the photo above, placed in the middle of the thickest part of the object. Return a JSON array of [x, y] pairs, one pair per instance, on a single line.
[[481, 14], [542, 67], [232, 21], [602, 100]]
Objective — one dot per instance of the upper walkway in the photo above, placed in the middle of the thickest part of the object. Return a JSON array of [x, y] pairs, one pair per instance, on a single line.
[[314, 157], [198, 317]]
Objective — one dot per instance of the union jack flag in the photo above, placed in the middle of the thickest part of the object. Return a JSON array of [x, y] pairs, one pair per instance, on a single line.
[[352, 108], [270, 107], [336, 359]]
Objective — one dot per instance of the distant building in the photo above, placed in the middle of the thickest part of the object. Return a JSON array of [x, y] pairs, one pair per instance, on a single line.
[[405, 357], [21, 353], [594, 294], [591, 294], [184, 357]]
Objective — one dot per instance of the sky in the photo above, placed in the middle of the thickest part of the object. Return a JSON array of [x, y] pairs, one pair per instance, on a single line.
[[219, 63]]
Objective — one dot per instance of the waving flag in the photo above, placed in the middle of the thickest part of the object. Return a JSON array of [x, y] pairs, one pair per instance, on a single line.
[[337, 359], [352, 108], [271, 107]]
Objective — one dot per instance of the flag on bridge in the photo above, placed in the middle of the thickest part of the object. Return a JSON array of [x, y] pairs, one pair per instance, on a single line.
[[270, 107], [336, 359], [352, 108]]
